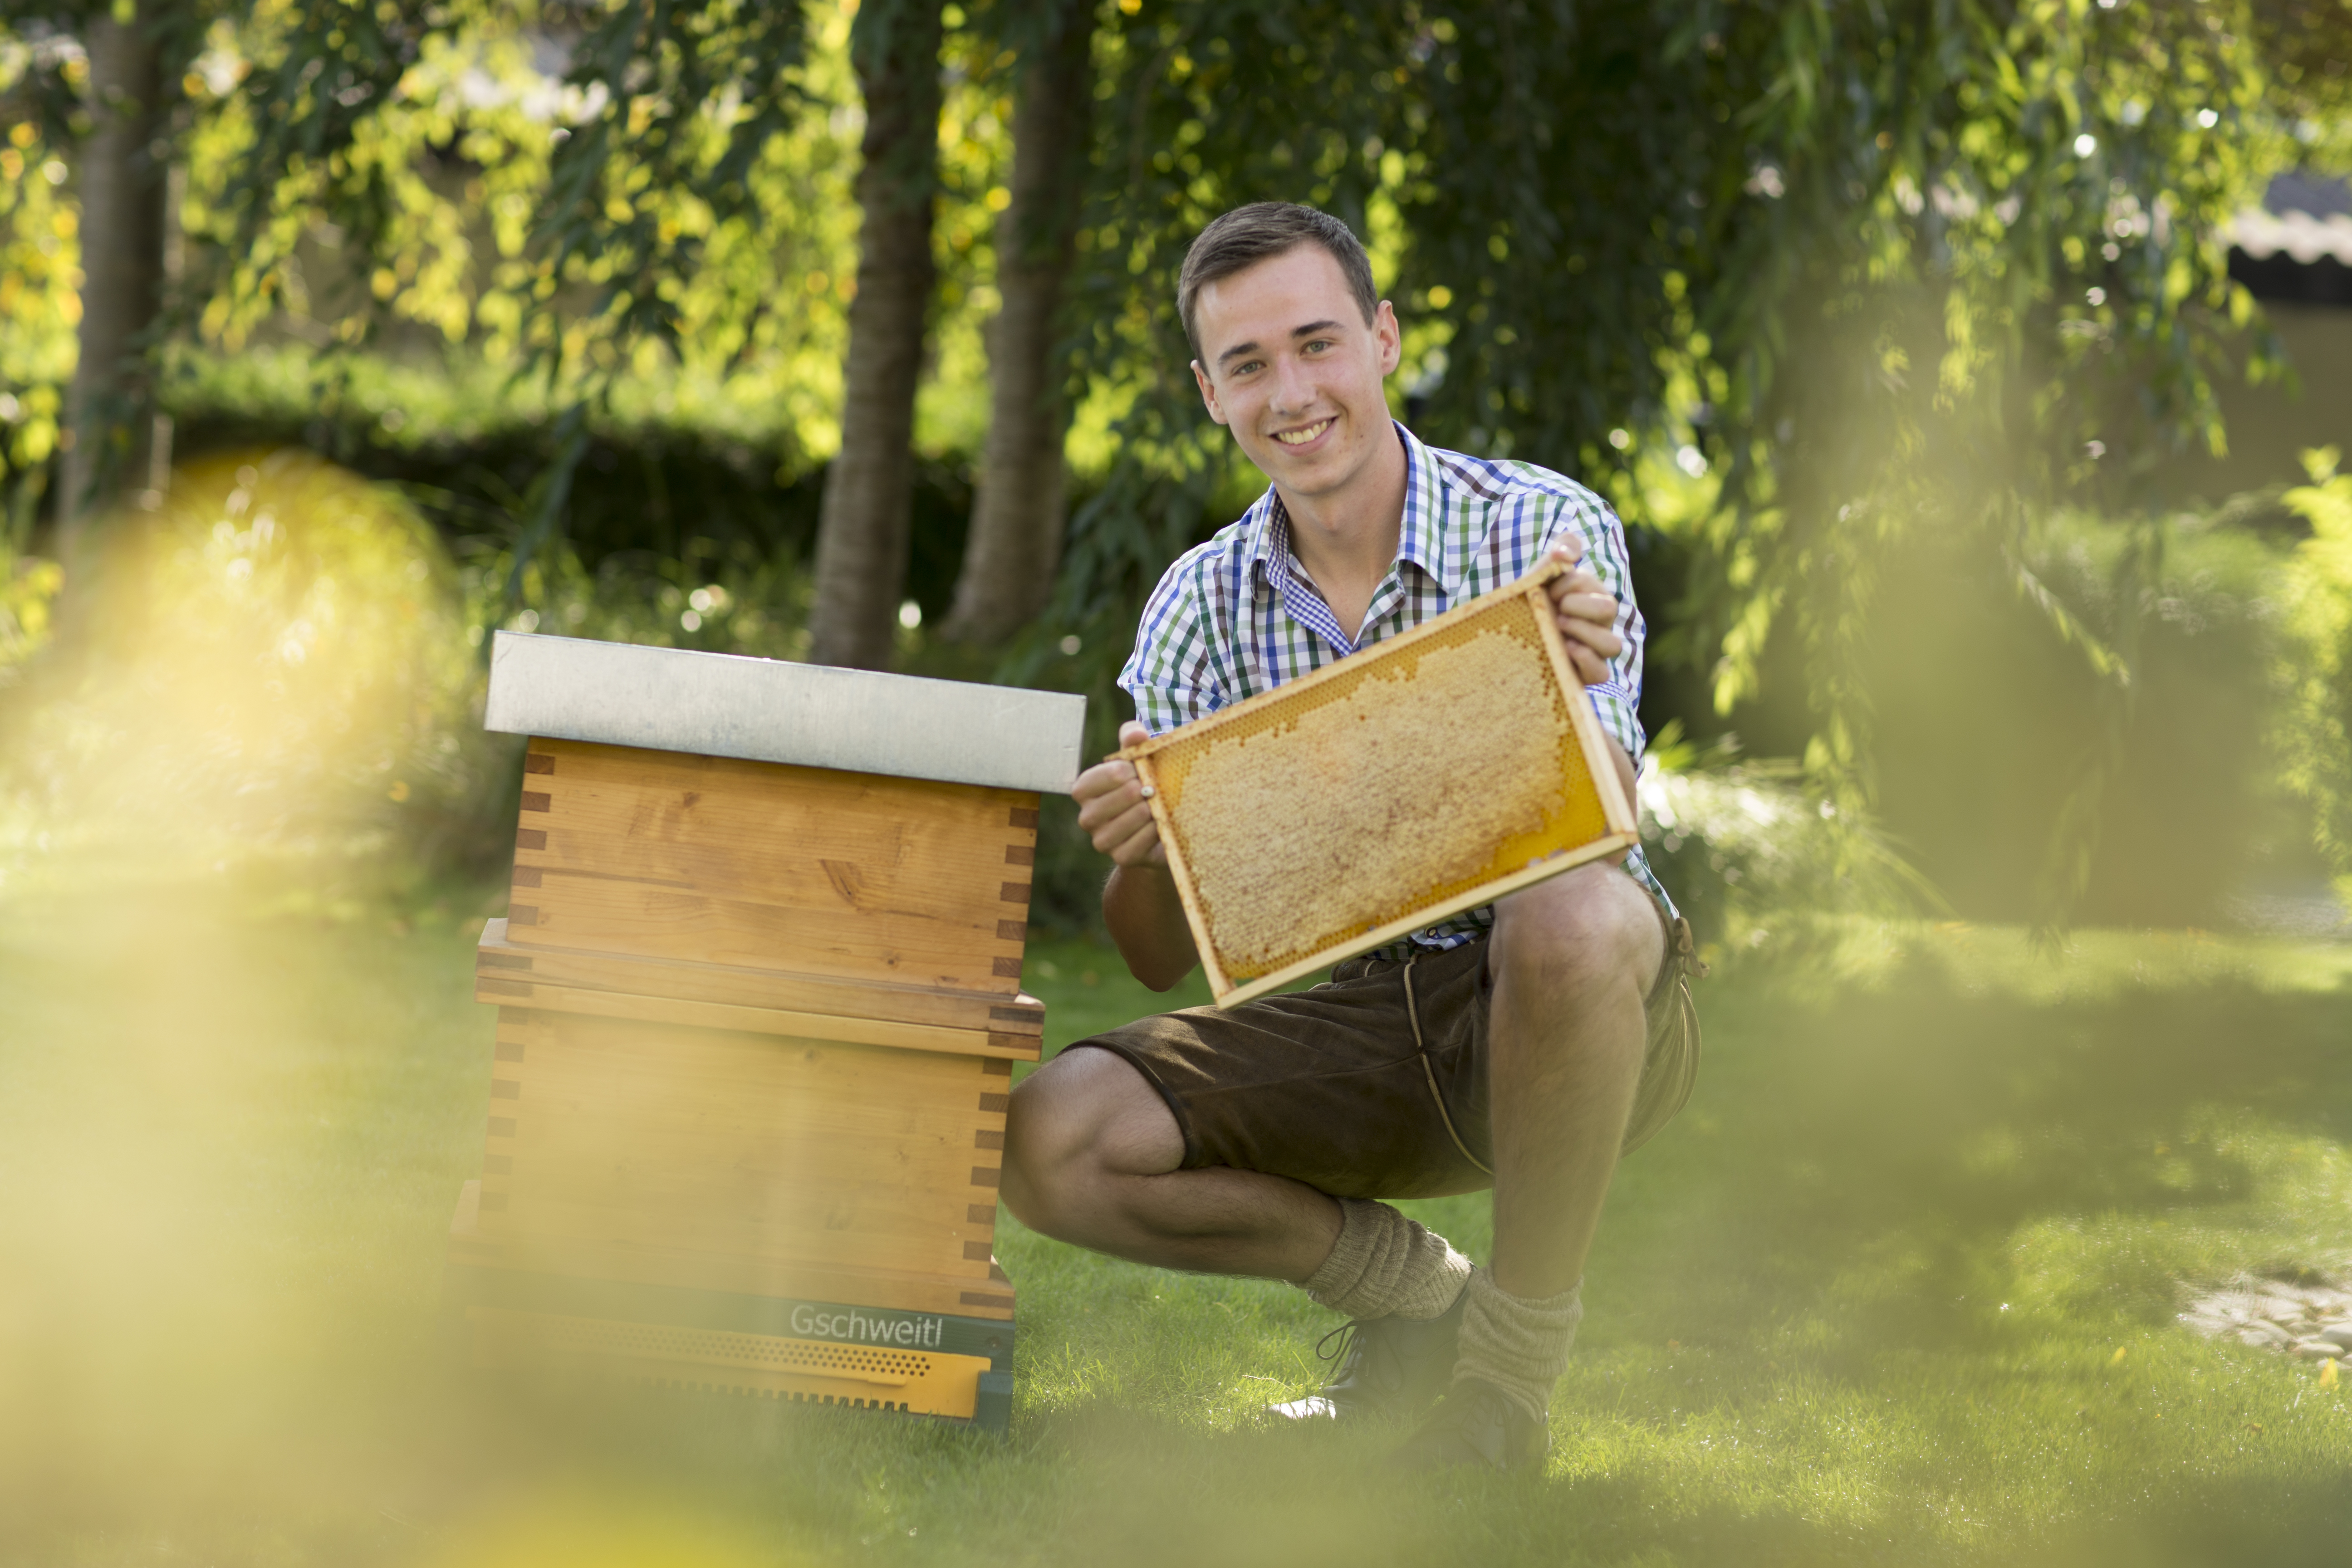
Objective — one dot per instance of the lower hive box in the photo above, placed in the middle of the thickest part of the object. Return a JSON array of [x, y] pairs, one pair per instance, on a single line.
[[1425, 775], [744, 1210]]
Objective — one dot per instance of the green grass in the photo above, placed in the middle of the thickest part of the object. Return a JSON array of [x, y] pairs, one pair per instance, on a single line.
[[1863, 1303]]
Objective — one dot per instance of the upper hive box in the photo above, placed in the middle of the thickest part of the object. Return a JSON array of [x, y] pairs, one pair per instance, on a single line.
[[1425, 775], [791, 823]]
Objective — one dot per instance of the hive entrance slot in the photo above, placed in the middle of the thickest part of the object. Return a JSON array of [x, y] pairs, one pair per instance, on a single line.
[[931, 1382]]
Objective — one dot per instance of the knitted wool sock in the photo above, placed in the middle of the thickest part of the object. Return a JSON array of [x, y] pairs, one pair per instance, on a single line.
[[1385, 1264], [1518, 1344]]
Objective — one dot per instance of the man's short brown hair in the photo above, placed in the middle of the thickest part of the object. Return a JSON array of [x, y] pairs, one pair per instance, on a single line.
[[1246, 236]]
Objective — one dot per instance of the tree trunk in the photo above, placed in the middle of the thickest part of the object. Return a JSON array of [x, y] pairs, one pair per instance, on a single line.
[[862, 524], [1018, 514], [117, 442]]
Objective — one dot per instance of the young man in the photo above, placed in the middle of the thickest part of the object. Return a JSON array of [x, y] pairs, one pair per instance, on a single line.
[[1524, 1046]]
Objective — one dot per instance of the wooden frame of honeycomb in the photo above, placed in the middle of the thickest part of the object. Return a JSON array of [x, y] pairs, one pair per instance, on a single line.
[[1428, 775]]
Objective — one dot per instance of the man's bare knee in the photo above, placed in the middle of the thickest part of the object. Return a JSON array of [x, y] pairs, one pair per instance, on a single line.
[[1585, 931], [1075, 1126]]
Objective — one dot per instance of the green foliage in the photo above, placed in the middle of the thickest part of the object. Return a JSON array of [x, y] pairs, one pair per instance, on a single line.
[[2080, 729], [2308, 43], [474, 189], [1760, 865], [1877, 272], [356, 171], [39, 301], [1992, 718], [300, 130], [688, 97], [2316, 668], [743, 601], [974, 166], [1797, 286], [278, 665], [26, 600], [1202, 106], [673, 112], [677, 463]]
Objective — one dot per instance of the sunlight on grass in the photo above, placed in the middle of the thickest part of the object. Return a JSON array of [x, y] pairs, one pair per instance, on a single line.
[[1863, 1301], [1878, 1278], [598, 1529]]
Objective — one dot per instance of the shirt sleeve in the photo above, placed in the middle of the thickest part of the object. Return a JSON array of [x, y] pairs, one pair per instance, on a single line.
[[1618, 699], [1172, 673]]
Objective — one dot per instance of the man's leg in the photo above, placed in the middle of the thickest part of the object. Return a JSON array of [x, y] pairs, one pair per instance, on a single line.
[[1093, 1157], [1572, 960]]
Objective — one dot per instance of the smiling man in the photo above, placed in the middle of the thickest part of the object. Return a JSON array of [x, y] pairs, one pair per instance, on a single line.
[[1523, 1046]]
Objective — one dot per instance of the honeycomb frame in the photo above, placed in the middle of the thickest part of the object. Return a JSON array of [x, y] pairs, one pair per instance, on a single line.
[[1525, 800]]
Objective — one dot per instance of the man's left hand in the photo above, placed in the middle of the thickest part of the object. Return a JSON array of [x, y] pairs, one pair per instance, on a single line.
[[1587, 614]]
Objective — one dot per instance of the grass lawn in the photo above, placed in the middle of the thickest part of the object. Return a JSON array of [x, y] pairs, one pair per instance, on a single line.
[[1897, 1287]]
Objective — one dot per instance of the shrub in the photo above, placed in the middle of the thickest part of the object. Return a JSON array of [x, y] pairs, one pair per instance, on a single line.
[[275, 664]]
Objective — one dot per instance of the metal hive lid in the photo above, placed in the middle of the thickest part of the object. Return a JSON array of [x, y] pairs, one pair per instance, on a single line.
[[770, 710]]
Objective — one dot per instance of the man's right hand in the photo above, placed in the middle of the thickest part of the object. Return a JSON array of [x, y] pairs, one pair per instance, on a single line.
[[1113, 810]]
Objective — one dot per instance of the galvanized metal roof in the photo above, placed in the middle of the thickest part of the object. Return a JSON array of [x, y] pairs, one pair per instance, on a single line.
[[770, 710], [2306, 216]]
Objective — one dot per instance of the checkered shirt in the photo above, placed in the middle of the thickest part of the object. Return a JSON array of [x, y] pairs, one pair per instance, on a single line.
[[1239, 616]]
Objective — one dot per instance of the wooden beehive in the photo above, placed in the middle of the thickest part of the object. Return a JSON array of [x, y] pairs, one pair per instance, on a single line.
[[1425, 775], [759, 1000]]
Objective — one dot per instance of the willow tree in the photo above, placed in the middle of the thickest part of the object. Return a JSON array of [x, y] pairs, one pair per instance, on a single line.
[[619, 227], [117, 99], [1879, 270]]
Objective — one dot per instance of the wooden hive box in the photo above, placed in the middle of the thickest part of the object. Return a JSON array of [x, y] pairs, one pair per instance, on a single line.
[[759, 1000], [1425, 775]]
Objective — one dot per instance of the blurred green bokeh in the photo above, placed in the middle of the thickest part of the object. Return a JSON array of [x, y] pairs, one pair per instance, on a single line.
[[275, 669]]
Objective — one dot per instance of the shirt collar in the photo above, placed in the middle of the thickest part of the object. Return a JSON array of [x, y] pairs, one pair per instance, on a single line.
[[1269, 547], [1417, 539]]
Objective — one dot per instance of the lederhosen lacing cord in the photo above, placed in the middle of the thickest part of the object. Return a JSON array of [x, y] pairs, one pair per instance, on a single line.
[[1421, 1045]]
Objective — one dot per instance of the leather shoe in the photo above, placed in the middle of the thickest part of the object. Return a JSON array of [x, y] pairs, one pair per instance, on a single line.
[[1390, 1368], [1476, 1423]]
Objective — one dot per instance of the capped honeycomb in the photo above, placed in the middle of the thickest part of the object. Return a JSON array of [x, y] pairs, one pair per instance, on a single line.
[[1407, 777]]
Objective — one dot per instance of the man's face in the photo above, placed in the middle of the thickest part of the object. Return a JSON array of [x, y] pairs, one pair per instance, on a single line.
[[1288, 364]]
